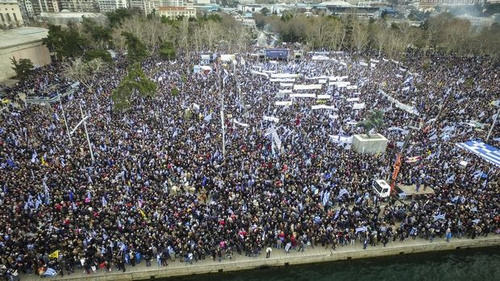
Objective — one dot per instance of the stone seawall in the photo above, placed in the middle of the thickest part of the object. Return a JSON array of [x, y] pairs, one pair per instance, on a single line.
[[280, 258]]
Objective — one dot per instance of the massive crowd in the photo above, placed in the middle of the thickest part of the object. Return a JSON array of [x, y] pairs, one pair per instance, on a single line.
[[161, 188]]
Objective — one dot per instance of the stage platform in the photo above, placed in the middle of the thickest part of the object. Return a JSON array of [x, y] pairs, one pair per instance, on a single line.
[[409, 190]]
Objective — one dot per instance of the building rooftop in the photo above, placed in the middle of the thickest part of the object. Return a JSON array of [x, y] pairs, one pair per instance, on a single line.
[[21, 35], [336, 3], [173, 8]]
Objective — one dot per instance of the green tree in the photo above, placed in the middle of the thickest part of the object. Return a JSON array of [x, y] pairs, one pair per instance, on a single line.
[[100, 35], [136, 82], [374, 120], [136, 50], [23, 68], [98, 54], [67, 43], [264, 11], [117, 17], [167, 50]]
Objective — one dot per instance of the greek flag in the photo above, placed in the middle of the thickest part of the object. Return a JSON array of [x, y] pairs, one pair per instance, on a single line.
[[483, 150]]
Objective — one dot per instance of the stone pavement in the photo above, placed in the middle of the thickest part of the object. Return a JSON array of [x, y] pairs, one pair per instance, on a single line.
[[278, 258]]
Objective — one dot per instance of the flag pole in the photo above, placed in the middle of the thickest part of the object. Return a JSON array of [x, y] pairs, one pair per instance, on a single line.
[[65, 122], [222, 115], [493, 125], [86, 133]]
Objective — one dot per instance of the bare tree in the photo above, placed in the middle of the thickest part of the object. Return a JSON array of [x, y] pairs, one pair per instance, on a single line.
[[85, 72], [360, 35]]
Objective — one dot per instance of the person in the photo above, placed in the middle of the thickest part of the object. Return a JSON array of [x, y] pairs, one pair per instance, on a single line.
[[160, 178], [448, 234], [268, 252], [288, 246]]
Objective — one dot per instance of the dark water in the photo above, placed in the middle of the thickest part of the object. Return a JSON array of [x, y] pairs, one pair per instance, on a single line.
[[469, 265]]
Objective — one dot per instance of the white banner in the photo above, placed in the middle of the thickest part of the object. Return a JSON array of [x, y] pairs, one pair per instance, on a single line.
[[352, 87], [322, 106], [285, 91], [352, 99], [358, 106], [407, 108], [340, 84], [283, 85], [272, 119], [323, 97], [337, 78], [341, 139], [284, 103], [282, 80], [240, 123], [260, 73], [308, 87], [302, 95], [227, 57], [284, 75]]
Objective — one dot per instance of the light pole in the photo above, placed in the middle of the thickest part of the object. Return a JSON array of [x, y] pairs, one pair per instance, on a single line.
[[86, 132], [493, 124], [65, 122], [222, 114]]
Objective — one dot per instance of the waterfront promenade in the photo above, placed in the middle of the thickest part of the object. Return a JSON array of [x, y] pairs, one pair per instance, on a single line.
[[279, 258]]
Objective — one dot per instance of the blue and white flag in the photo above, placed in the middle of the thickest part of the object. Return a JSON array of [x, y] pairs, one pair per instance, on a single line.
[[208, 118], [439, 217], [326, 198], [483, 150], [342, 192]]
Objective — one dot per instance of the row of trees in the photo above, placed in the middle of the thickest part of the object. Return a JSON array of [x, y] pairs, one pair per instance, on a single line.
[[444, 33], [85, 47]]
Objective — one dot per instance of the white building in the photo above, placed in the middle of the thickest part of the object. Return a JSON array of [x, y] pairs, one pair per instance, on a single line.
[[106, 6], [173, 12], [82, 6], [173, 3], [44, 6], [10, 13], [152, 5]]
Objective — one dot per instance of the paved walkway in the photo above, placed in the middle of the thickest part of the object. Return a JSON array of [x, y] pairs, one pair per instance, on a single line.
[[278, 258]]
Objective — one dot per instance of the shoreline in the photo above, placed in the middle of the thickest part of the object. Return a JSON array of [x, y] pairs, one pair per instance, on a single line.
[[279, 259]]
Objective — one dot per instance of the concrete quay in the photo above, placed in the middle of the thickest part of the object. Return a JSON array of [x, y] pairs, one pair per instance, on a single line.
[[278, 259]]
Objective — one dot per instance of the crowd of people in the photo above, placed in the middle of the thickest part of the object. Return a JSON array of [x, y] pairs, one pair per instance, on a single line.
[[162, 187]]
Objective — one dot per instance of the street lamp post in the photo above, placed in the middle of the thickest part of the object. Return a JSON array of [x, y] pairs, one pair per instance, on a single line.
[[493, 124]]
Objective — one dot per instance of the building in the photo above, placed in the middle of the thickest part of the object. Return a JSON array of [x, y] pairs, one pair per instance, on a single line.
[[429, 4], [10, 13], [26, 9], [82, 6], [173, 3], [64, 18], [152, 6], [173, 12], [106, 6], [44, 6], [22, 43]]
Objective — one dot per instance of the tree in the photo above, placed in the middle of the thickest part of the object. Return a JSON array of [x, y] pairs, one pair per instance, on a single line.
[[135, 82], [264, 11], [85, 71], [67, 43], [136, 51], [118, 16], [375, 120], [98, 54], [101, 35], [167, 50], [23, 68], [360, 36]]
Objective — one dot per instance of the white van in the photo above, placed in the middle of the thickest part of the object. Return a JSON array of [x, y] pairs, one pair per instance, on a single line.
[[381, 188]]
